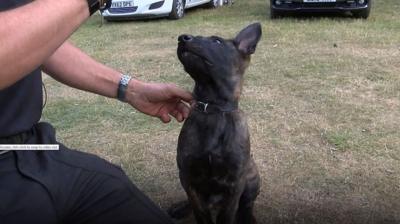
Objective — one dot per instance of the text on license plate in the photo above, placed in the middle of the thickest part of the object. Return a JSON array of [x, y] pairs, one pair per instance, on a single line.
[[317, 1], [122, 4]]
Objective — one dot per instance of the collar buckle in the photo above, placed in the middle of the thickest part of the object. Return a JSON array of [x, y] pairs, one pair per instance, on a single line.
[[202, 106]]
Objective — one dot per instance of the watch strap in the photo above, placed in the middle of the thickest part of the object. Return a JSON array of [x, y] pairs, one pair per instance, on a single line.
[[122, 87]]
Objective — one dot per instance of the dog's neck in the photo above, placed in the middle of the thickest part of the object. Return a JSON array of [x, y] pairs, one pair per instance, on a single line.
[[217, 95]]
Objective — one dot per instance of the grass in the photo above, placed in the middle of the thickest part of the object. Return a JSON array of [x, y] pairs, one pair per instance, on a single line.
[[322, 97]]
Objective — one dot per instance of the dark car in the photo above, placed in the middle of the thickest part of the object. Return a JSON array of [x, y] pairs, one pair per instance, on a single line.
[[358, 8]]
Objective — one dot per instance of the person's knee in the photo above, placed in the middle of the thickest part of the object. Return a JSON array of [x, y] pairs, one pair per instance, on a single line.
[[115, 201]]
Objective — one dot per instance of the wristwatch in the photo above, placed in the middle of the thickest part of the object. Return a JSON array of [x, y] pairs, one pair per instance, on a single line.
[[95, 5], [122, 86]]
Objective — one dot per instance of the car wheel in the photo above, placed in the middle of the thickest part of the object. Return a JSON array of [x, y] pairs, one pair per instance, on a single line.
[[364, 14], [213, 4], [273, 14], [178, 9]]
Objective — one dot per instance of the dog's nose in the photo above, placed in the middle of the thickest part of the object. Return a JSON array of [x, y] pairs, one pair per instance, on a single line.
[[185, 38]]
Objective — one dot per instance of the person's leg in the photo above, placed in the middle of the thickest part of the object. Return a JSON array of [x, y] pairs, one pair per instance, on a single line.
[[85, 188], [22, 200], [102, 198]]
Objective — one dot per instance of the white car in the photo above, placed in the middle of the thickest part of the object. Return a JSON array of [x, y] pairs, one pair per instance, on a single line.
[[174, 9]]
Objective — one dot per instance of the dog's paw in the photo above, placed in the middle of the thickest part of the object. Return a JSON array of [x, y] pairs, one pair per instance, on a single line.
[[180, 210]]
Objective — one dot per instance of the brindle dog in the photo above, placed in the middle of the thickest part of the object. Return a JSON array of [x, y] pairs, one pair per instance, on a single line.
[[216, 168]]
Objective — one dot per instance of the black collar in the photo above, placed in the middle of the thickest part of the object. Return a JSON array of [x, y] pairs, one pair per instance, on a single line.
[[212, 108]]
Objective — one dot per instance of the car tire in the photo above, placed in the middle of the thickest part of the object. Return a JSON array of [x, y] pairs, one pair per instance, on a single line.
[[273, 14], [363, 14], [178, 9], [213, 4]]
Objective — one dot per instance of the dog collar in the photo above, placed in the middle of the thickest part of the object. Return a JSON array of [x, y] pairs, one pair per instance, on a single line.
[[211, 108]]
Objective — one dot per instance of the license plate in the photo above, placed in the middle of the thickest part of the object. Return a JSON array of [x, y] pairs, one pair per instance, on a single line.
[[122, 4], [318, 1]]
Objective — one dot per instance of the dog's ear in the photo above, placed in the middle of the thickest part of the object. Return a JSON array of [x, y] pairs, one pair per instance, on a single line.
[[247, 39]]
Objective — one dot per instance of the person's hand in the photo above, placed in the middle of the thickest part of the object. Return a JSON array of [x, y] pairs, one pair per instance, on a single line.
[[159, 100]]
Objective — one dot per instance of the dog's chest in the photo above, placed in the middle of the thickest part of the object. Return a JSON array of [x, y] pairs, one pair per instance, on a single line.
[[212, 151], [214, 170]]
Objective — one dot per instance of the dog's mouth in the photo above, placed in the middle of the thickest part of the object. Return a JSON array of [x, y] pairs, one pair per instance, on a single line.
[[191, 54], [185, 52]]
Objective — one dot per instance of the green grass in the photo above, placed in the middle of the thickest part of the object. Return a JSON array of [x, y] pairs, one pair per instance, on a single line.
[[322, 96]]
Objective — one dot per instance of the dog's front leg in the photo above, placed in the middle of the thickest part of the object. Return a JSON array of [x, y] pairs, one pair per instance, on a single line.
[[200, 210], [227, 214]]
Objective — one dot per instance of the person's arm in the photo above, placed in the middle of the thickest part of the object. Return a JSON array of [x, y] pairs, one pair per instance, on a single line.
[[73, 67], [31, 33]]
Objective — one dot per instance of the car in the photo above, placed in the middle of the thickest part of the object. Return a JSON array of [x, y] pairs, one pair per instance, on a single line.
[[358, 8], [174, 9]]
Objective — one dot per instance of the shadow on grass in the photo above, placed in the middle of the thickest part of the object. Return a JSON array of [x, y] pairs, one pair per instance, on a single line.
[[330, 213]]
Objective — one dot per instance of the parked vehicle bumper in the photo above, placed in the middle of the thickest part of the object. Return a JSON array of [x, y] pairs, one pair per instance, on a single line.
[[318, 7], [142, 10]]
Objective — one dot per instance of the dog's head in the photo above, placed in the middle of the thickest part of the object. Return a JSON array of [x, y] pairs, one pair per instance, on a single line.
[[216, 64]]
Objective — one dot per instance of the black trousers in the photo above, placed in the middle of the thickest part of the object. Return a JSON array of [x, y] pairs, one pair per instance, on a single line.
[[68, 186]]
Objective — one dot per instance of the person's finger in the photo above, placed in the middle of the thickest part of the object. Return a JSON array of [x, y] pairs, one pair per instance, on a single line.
[[165, 117], [179, 117], [184, 109], [180, 93], [175, 114]]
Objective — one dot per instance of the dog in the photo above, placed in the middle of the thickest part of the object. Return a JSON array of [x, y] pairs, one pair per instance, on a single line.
[[216, 168]]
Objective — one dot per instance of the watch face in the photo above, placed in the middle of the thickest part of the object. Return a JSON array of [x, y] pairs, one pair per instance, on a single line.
[[125, 80]]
